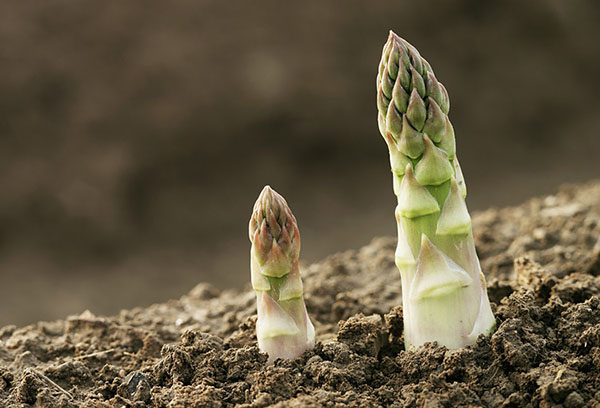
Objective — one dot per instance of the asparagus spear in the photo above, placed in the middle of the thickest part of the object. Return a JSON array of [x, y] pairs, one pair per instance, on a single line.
[[443, 289], [283, 329]]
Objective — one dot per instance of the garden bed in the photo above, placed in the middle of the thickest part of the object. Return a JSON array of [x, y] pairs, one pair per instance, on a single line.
[[542, 261]]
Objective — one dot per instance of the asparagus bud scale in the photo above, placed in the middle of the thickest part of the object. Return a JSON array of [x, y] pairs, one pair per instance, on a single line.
[[444, 293], [283, 328]]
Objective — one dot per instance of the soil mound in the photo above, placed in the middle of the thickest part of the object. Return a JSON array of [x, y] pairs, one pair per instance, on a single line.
[[543, 265]]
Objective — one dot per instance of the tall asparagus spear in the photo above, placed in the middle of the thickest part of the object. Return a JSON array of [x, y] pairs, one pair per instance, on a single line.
[[443, 289], [283, 329]]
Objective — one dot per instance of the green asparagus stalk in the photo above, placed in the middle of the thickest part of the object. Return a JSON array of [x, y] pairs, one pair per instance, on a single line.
[[443, 289], [283, 329]]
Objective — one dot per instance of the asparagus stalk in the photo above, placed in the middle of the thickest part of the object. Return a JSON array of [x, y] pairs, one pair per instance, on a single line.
[[283, 329], [443, 289]]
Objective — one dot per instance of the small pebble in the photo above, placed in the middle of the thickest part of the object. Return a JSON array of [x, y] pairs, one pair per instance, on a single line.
[[574, 400]]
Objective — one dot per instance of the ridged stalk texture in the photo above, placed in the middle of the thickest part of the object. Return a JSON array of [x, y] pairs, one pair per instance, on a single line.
[[443, 289], [283, 328]]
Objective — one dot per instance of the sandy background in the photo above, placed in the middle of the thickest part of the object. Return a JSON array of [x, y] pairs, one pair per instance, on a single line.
[[135, 136]]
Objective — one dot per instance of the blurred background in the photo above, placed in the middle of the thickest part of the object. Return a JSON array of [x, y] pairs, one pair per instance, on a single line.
[[135, 136]]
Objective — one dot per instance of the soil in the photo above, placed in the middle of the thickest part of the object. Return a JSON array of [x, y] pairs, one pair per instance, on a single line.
[[542, 261]]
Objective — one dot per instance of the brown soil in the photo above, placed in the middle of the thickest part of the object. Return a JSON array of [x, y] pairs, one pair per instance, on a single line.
[[543, 266]]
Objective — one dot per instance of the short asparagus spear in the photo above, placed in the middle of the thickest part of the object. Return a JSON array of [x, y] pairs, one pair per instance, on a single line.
[[283, 329], [443, 289]]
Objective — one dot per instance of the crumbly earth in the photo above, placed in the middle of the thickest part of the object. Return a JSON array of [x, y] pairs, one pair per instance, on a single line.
[[542, 261]]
